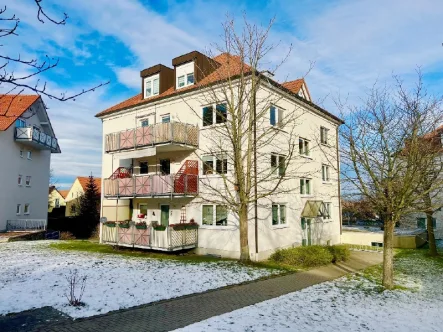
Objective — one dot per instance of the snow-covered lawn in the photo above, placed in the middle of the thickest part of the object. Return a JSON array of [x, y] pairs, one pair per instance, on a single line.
[[352, 303], [32, 275]]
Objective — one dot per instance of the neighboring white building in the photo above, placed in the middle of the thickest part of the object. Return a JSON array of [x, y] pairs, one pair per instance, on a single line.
[[154, 165], [26, 143]]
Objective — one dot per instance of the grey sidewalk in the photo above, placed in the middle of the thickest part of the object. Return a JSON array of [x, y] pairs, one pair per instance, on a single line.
[[175, 313]]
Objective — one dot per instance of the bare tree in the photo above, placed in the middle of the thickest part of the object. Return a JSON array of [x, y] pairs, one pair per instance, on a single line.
[[33, 68], [249, 141], [382, 158]]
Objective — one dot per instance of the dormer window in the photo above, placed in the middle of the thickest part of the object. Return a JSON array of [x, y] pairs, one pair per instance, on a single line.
[[152, 86], [185, 75]]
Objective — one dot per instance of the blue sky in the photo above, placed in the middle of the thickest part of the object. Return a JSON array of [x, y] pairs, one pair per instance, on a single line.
[[353, 44]]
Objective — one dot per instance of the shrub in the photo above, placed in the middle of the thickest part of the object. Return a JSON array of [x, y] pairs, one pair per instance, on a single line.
[[339, 252], [67, 236], [303, 257]]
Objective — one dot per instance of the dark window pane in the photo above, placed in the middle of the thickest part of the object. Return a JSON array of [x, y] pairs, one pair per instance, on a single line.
[[281, 166], [275, 214], [421, 223], [222, 166], [207, 214], [165, 166], [144, 168], [221, 215], [208, 166], [207, 115], [221, 113]]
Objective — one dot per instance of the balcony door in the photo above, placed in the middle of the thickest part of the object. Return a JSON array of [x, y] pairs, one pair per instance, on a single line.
[[165, 166], [164, 216]]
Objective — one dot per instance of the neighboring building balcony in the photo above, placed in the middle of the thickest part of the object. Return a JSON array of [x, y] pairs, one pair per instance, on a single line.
[[171, 136], [36, 138]]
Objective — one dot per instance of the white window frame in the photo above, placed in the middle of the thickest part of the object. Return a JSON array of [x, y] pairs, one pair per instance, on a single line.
[[28, 181], [27, 209], [149, 81], [304, 193], [279, 114], [20, 180], [276, 169], [18, 209], [219, 156], [29, 155], [279, 223], [214, 114], [324, 135], [328, 208], [325, 173], [306, 149], [184, 71], [214, 216]]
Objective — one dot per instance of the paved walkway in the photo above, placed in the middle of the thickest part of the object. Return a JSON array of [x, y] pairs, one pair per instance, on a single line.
[[171, 314]]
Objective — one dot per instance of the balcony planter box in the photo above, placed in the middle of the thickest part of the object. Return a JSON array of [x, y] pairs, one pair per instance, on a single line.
[[123, 225], [141, 226], [191, 226], [109, 224], [159, 228], [178, 227]]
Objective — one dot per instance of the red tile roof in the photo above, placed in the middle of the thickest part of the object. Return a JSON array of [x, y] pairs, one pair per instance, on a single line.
[[64, 193], [230, 66], [295, 86], [84, 182], [12, 107]]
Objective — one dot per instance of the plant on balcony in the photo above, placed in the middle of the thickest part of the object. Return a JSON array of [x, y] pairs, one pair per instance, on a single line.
[[124, 224], [178, 227], [191, 225], [157, 226], [110, 223], [141, 225], [182, 226]]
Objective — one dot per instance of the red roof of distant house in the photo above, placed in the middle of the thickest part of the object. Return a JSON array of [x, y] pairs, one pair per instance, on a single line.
[[84, 182], [64, 193], [296, 85], [12, 107]]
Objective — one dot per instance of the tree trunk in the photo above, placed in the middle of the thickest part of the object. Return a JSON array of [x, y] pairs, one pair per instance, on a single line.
[[431, 235], [388, 254], [244, 245]]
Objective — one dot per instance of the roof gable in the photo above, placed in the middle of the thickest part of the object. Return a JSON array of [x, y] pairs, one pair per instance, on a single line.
[[12, 107]]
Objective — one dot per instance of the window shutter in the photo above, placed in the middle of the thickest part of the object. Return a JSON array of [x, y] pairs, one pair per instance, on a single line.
[[156, 86], [280, 117], [272, 115]]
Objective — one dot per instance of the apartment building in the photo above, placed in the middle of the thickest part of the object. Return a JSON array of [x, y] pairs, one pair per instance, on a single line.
[[26, 143], [160, 162]]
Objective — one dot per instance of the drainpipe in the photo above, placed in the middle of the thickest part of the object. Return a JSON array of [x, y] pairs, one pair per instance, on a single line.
[[255, 177], [338, 184]]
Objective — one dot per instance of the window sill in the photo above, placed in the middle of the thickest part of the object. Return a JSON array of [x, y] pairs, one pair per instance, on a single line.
[[326, 145], [327, 182], [278, 128], [212, 126], [306, 195], [306, 157], [280, 226]]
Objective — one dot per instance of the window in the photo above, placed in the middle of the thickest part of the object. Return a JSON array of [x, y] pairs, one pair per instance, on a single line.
[[57, 203], [19, 180], [324, 132], [143, 208], [28, 181], [278, 162], [165, 166], [422, 223], [27, 209], [190, 79], [377, 244], [144, 167], [278, 214], [18, 209], [220, 217], [325, 173], [145, 123], [220, 161], [181, 81], [327, 211], [305, 186], [276, 116], [21, 153], [303, 147], [152, 86], [29, 155], [219, 116], [20, 123], [166, 118]]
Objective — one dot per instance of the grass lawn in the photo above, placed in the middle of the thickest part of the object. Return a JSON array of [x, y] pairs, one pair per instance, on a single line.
[[188, 257]]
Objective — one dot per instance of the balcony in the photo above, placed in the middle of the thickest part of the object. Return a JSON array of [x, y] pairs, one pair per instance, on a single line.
[[36, 138], [152, 185], [160, 134], [168, 239]]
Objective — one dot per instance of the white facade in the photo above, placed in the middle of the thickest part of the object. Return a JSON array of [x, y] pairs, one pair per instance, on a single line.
[[224, 239], [25, 160]]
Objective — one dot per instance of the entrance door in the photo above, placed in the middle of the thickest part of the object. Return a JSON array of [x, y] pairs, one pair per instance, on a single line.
[[306, 226], [164, 215]]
